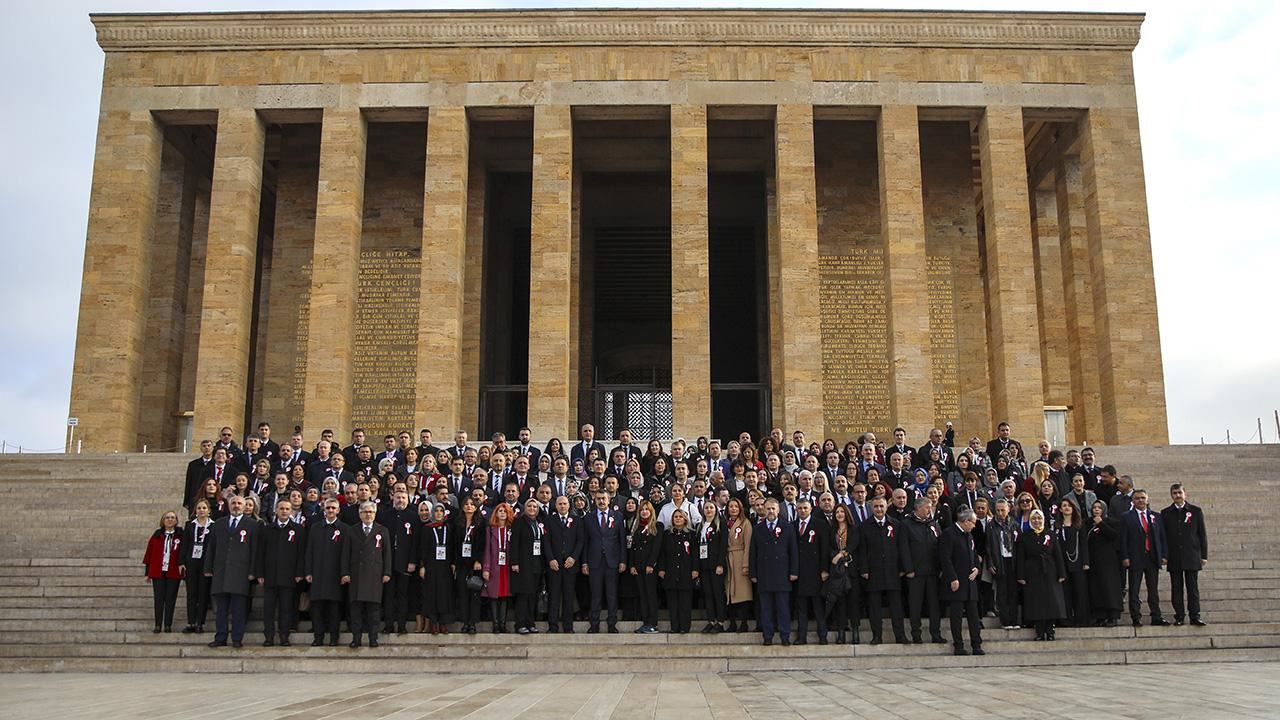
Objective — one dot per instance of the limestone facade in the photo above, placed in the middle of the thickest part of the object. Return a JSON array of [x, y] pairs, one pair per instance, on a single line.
[[955, 225]]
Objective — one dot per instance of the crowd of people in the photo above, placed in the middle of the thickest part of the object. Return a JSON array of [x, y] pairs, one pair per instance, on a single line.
[[765, 536]]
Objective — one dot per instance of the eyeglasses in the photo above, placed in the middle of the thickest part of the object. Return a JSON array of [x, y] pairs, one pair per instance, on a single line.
[[1024, 502]]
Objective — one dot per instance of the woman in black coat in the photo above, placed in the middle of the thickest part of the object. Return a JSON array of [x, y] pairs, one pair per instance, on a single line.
[[628, 591], [713, 563], [847, 609], [437, 564], [193, 560], [528, 563], [1104, 565], [469, 536], [643, 545], [677, 569], [1075, 556], [1041, 572]]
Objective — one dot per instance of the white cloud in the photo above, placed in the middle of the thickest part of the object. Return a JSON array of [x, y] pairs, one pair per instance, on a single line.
[[1205, 74]]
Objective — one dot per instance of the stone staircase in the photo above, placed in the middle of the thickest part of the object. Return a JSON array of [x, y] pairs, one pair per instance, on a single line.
[[72, 596]]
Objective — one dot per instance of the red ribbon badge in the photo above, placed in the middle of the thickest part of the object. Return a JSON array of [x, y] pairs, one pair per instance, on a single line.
[[1047, 540], [1188, 517], [811, 534], [290, 536], [686, 547], [568, 522], [777, 532], [336, 534], [243, 534], [737, 533], [408, 529], [610, 522], [888, 530], [934, 528], [377, 541]]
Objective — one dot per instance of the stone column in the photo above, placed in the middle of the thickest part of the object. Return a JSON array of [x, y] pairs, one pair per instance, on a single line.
[[902, 227], [552, 387], [113, 299], [331, 323], [438, 396], [1055, 353], [690, 273], [1124, 293], [1077, 296], [472, 297], [226, 316], [797, 296], [1017, 392]]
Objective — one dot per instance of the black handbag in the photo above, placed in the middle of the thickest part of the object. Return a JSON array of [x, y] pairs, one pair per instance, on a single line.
[[475, 583]]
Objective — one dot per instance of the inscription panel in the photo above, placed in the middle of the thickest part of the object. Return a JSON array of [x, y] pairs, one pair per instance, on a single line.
[[942, 338], [855, 346]]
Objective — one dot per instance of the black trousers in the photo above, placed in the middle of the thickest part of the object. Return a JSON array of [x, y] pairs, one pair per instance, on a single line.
[[647, 587], [397, 599], [922, 595], [848, 609], [876, 600], [802, 604], [1006, 592], [713, 597], [326, 619], [967, 609], [1151, 575], [986, 597], [198, 598], [230, 607], [1190, 579], [680, 608], [366, 619], [741, 611], [165, 593], [604, 593], [1076, 591], [277, 604], [560, 597], [468, 601], [526, 606]]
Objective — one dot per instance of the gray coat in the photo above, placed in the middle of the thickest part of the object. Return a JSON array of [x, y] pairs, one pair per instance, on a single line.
[[231, 557], [368, 560]]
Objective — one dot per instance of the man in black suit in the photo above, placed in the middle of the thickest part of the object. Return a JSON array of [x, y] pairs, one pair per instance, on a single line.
[[582, 448], [1000, 443], [352, 451], [813, 545], [1188, 551], [268, 447], [567, 541], [625, 445], [900, 447], [958, 564], [403, 522], [937, 441], [459, 447], [1143, 553], [231, 559], [197, 471], [457, 481], [226, 442], [884, 558], [365, 570], [774, 564], [247, 459], [425, 447], [604, 559], [922, 531], [526, 449], [279, 572], [326, 549], [559, 480], [867, 462]]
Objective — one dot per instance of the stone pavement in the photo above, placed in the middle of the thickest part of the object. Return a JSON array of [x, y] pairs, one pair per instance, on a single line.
[[1201, 691]]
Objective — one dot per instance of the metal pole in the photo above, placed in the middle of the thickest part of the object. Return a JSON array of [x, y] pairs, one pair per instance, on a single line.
[[1277, 425], [1259, 431], [78, 444], [1228, 436]]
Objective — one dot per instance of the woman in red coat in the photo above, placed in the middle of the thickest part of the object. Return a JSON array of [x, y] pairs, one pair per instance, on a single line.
[[165, 570]]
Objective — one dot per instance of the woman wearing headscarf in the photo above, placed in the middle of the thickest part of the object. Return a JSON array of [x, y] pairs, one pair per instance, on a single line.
[[1104, 565], [1041, 573]]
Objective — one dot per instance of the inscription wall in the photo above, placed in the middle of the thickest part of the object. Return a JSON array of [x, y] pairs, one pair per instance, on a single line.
[[386, 343]]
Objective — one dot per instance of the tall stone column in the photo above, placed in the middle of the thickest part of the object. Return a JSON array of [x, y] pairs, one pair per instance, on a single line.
[[797, 297], [1077, 296], [690, 273], [114, 297], [902, 227], [1017, 392], [1124, 292], [552, 387], [1055, 353], [226, 317], [326, 402], [438, 398]]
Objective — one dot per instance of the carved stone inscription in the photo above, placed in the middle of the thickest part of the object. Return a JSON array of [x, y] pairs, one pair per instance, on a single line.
[[942, 339], [386, 340], [855, 346]]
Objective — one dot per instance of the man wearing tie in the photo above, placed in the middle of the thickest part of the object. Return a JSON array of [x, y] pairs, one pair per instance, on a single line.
[[582, 449], [1188, 551], [326, 551], [624, 444], [958, 562], [366, 568], [884, 558], [231, 559], [1143, 553], [526, 449], [559, 480], [604, 559], [774, 565], [458, 482], [567, 542], [861, 511], [279, 572]]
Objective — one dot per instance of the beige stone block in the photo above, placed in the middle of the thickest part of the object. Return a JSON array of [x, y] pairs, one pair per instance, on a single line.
[[1077, 298], [444, 251], [902, 228], [113, 295], [1017, 392], [552, 387], [222, 369], [1124, 294], [469, 413], [327, 400], [797, 301], [1055, 353], [690, 273]]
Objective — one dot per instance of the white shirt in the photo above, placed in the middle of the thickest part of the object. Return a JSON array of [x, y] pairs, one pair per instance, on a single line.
[[690, 511]]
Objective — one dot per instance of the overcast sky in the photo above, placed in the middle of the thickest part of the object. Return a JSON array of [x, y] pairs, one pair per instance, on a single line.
[[1206, 74]]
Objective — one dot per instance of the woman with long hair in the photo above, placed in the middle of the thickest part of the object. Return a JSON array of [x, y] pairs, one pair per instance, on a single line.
[[1104, 565], [554, 449], [677, 569], [712, 558], [1050, 504], [163, 561], [193, 537], [738, 590], [495, 568], [644, 543], [1025, 505], [1075, 555], [1041, 573], [844, 546]]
